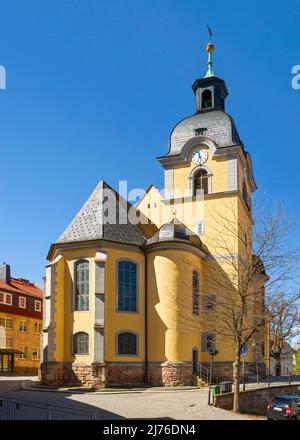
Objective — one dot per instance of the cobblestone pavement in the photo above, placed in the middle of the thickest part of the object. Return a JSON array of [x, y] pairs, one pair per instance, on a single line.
[[173, 405]]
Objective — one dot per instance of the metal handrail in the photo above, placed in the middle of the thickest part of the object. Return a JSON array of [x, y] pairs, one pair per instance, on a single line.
[[206, 372]]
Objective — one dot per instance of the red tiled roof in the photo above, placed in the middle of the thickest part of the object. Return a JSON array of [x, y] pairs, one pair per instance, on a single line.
[[19, 285]]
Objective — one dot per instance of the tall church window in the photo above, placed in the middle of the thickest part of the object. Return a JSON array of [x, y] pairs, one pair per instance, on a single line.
[[201, 182], [196, 292], [81, 343], [207, 99], [127, 286], [82, 274], [127, 344]]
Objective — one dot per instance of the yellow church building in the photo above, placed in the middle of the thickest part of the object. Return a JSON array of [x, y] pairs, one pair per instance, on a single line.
[[129, 298]]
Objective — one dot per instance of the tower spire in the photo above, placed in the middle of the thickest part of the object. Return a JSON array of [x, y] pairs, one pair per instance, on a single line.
[[209, 50]]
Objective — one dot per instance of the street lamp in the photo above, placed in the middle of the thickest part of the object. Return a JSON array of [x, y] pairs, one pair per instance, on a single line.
[[213, 352]]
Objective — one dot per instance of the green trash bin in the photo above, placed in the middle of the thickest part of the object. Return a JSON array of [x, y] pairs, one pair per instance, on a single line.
[[214, 389]]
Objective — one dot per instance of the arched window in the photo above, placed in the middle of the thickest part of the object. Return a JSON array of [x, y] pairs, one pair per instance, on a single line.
[[127, 344], [200, 182], [82, 275], [81, 343], [127, 286], [207, 99], [196, 292]]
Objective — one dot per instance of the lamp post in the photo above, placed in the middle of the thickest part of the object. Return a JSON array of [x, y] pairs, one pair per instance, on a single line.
[[213, 352]]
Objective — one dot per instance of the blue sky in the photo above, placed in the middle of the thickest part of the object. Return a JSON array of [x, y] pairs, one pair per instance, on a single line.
[[95, 87]]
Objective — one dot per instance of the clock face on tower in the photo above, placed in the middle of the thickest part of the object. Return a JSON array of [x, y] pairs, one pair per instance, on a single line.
[[199, 157]]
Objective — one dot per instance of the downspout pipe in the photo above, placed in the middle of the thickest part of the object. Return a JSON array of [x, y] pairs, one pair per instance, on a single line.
[[146, 379]]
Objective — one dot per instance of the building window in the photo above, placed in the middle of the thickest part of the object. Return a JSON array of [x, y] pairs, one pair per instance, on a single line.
[[262, 348], [127, 286], [246, 195], [8, 323], [127, 344], [210, 302], [208, 342], [37, 306], [9, 342], [36, 354], [82, 274], [206, 99], [195, 360], [22, 302], [200, 228], [200, 131], [196, 288], [24, 353], [23, 327], [81, 343], [37, 328], [200, 182], [6, 298]]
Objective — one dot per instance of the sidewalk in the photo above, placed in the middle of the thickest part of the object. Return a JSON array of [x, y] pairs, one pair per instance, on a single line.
[[29, 385]]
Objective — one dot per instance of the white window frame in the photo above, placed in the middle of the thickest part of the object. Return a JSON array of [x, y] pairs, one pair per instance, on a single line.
[[24, 354], [39, 309], [37, 357], [12, 342], [5, 296], [12, 323], [202, 224], [23, 331], [20, 302]]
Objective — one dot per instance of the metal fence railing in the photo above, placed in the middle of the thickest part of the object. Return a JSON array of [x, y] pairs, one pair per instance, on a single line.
[[15, 409], [259, 381]]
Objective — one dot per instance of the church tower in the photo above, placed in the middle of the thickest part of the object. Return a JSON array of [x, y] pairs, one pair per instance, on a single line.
[[134, 303]]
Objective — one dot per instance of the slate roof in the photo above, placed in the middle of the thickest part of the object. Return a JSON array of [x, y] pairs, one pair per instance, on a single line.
[[106, 216], [176, 231], [219, 125]]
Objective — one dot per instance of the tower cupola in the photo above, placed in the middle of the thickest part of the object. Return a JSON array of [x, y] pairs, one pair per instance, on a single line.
[[210, 90]]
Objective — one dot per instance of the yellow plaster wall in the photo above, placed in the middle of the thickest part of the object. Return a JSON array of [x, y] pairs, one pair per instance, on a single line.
[[69, 322]]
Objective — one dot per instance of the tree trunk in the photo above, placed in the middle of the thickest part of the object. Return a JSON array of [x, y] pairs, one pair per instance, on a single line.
[[236, 380]]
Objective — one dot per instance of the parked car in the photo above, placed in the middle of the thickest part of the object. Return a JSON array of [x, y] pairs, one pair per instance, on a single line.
[[284, 408]]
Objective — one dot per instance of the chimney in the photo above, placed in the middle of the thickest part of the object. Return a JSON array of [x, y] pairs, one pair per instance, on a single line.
[[5, 273]]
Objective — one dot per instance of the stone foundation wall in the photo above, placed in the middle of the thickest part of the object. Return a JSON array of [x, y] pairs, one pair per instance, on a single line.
[[62, 374], [128, 375], [255, 401], [178, 374], [155, 377]]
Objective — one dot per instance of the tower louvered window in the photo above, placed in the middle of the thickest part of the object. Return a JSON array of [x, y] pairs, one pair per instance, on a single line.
[[201, 182]]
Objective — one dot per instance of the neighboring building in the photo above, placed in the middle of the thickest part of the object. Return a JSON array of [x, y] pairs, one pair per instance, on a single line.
[[122, 300], [284, 365], [20, 324]]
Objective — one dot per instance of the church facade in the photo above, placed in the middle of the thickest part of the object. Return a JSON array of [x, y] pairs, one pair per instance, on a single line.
[[129, 292]]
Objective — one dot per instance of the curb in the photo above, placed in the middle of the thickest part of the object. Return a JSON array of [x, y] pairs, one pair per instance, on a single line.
[[30, 386]]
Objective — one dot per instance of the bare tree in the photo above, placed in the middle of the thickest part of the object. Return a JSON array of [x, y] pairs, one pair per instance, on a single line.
[[284, 321], [248, 273], [246, 269]]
